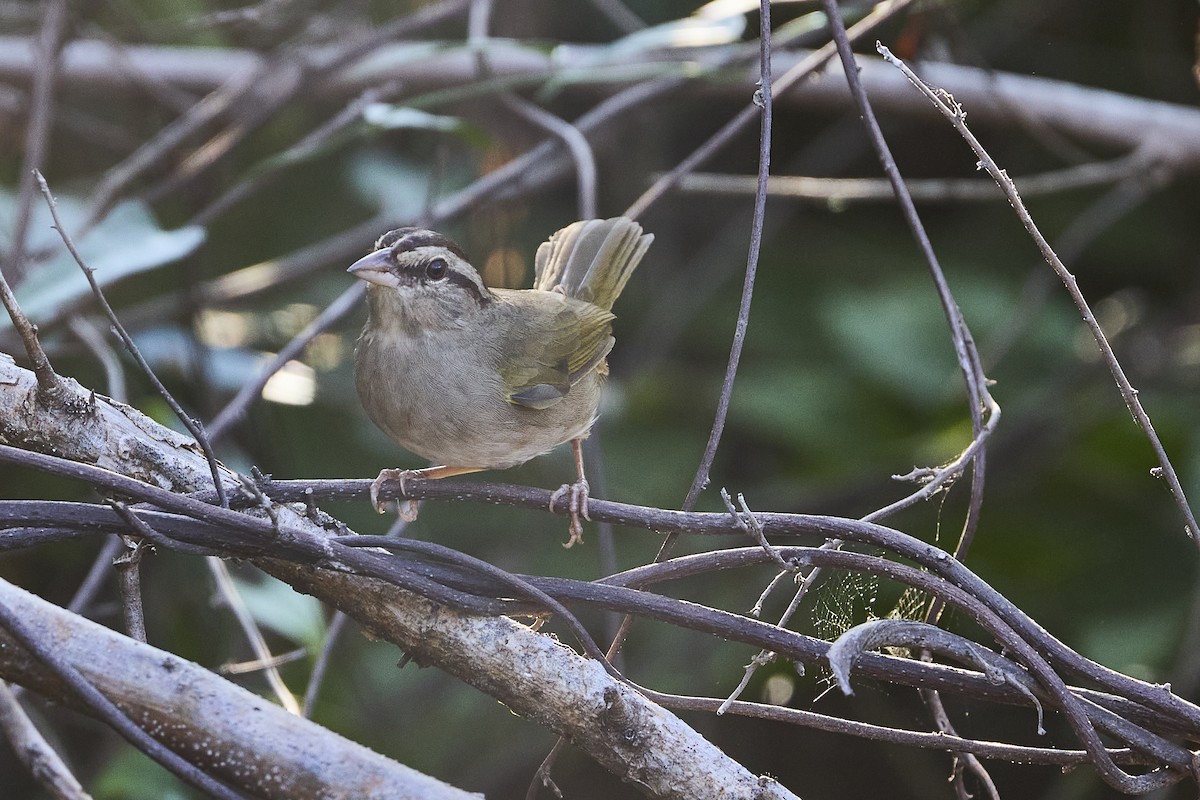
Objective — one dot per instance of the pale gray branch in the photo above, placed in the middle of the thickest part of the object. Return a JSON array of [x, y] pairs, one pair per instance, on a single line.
[[34, 751], [229, 731], [531, 674], [1094, 116]]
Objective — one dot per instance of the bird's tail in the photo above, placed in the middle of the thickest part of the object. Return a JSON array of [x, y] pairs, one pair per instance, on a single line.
[[591, 259]]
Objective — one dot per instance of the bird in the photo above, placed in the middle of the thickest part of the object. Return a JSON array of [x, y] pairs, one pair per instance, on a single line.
[[474, 378]]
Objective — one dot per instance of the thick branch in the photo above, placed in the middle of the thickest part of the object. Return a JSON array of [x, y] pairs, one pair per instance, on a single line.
[[1092, 115], [533, 675], [230, 732]]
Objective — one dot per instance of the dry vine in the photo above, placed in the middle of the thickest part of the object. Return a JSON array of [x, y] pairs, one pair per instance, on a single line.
[[445, 608]]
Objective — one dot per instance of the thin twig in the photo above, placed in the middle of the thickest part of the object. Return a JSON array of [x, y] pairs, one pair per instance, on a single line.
[[924, 739], [843, 191], [220, 572], [272, 83], [291, 71], [49, 384], [1098, 218], [92, 583], [963, 759], [478, 18], [37, 133], [574, 140], [167, 141], [277, 660], [620, 15], [267, 172], [957, 117], [93, 340], [805, 579], [763, 103], [34, 752], [807, 66], [236, 408], [749, 523], [194, 426], [321, 666]]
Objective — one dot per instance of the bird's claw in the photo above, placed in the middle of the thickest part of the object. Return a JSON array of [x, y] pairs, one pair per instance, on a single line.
[[406, 509], [577, 506]]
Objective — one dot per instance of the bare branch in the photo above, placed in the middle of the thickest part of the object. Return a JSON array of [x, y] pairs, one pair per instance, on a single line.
[[31, 748], [193, 425], [954, 113], [530, 673], [843, 191], [233, 734]]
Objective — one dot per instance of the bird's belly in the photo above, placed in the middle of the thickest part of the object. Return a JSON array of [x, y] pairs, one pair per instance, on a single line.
[[460, 417]]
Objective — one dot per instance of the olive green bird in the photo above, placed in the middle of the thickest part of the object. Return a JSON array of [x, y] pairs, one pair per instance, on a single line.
[[474, 378]]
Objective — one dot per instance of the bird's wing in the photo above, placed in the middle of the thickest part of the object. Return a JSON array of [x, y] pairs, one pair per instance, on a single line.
[[557, 343]]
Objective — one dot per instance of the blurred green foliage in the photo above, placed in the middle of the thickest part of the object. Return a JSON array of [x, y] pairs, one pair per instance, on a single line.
[[848, 378]]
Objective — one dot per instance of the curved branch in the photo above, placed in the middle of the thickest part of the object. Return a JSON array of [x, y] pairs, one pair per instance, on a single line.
[[227, 730], [530, 673], [1089, 115]]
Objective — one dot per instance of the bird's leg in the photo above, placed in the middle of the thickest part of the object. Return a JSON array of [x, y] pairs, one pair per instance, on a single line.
[[407, 509], [577, 505]]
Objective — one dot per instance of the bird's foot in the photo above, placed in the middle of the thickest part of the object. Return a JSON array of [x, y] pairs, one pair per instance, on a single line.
[[577, 506], [407, 509]]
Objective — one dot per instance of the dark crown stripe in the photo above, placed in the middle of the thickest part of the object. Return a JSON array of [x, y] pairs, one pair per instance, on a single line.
[[402, 240], [405, 239]]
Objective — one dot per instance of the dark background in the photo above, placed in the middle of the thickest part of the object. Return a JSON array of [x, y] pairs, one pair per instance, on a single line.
[[848, 377]]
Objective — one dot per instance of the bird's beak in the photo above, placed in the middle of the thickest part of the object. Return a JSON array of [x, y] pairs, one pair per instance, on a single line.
[[375, 268]]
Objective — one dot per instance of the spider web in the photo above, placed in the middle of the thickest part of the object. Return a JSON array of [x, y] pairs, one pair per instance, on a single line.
[[849, 599], [843, 601]]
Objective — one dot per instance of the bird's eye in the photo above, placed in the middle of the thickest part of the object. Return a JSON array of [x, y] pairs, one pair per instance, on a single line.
[[436, 270]]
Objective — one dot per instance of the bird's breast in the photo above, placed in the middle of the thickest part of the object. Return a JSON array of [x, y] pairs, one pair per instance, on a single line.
[[439, 395]]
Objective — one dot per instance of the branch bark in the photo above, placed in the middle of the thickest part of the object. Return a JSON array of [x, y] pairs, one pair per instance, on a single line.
[[530, 673], [1095, 116], [230, 732]]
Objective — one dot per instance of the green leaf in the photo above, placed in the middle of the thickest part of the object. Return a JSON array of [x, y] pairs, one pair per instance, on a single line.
[[395, 186], [277, 606], [129, 775], [127, 242], [389, 117]]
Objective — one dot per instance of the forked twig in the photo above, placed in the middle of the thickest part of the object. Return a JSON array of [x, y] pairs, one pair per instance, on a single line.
[[575, 142], [980, 400], [193, 425], [945, 103]]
